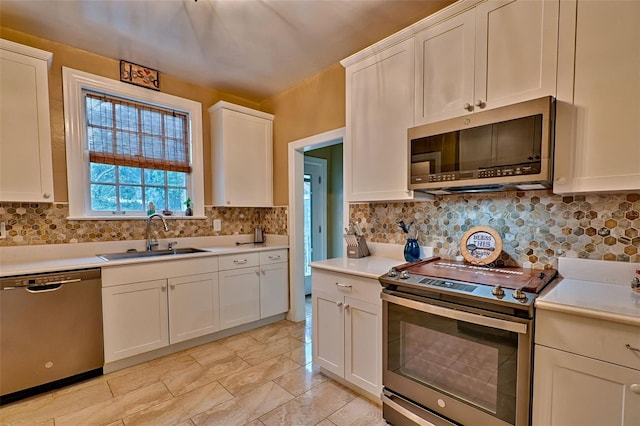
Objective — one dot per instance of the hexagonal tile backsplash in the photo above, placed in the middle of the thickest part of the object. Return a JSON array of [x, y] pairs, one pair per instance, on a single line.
[[34, 223], [536, 227]]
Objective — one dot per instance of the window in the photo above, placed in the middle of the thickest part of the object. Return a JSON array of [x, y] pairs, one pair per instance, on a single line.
[[128, 146]]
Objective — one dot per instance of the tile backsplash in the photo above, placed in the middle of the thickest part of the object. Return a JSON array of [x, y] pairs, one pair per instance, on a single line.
[[536, 227], [34, 223]]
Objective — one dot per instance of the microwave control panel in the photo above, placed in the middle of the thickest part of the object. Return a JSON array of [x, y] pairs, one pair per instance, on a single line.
[[529, 169]]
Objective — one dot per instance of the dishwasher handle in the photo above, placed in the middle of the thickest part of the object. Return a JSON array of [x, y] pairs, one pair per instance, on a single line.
[[44, 287]]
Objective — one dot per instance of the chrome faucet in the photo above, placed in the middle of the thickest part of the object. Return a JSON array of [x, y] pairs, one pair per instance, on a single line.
[[152, 241]]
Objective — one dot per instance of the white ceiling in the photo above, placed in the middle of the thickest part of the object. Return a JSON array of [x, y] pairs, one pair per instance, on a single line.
[[256, 48]]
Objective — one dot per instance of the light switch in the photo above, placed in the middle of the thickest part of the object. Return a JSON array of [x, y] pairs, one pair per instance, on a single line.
[[217, 225]]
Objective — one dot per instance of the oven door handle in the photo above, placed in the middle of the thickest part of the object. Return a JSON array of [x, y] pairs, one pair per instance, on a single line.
[[408, 414], [500, 324]]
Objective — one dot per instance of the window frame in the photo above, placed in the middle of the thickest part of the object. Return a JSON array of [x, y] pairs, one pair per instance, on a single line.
[[78, 179]]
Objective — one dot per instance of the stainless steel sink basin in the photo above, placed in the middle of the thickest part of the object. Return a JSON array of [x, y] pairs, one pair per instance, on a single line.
[[140, 254]]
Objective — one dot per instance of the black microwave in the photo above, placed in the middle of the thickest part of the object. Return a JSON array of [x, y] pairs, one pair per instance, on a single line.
[[506, 148]]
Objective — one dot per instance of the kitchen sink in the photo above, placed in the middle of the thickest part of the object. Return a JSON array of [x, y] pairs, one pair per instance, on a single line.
[[134, 254]]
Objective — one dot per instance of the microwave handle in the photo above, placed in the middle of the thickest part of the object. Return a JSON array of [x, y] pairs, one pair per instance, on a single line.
[[500, 324]]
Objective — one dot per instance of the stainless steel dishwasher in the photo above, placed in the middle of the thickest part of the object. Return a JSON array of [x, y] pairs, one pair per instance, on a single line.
[[50, 331]]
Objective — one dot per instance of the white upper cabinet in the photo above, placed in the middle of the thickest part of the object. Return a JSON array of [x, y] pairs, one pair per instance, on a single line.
[[380, 92], [444, 68], [497, 53], [242, 156], [26, 172], [598, 113]]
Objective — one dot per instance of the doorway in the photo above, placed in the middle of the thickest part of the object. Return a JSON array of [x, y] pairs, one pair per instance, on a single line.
[[315, 214], [296, 151]]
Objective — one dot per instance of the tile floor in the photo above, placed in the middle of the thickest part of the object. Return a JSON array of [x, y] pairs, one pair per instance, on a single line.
[[261, 377]]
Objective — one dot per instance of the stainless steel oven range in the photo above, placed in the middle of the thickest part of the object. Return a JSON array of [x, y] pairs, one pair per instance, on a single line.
[[457, 343]]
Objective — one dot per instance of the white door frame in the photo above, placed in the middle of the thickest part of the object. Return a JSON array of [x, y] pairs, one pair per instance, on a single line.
[[318, 208], [296, 227]]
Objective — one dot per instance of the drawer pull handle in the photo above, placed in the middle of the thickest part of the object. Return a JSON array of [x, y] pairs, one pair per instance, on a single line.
[[274, 257], [239, 262], [631, 348], [635, 388], [343, 285]]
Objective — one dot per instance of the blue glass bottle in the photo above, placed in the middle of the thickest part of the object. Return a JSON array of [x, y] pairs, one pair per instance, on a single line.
[[411, 250]]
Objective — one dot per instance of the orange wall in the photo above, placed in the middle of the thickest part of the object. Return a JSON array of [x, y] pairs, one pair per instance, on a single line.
[[313, 106], [82, 60]]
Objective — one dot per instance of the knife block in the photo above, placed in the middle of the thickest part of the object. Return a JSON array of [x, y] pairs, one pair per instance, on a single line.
[[356, 246]]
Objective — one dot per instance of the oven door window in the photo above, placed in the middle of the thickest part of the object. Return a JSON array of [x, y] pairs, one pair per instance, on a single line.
[[472, 363]]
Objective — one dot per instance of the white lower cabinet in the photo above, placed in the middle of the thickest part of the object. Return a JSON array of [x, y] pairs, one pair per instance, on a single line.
[[274, 283], [586, 371], [347, 328], [135, 319], [149, 306], [193, 306], [239, 296], [576, 390], [253, 286]]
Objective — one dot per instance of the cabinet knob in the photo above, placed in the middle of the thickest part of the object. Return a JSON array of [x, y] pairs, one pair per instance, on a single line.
[[164, 287], [635, 388], [172, 286], [468, 106], [338, 304], [347, 306], [46, 195], [480, 104]]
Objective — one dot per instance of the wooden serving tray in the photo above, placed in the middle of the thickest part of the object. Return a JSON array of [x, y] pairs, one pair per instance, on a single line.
[[531, 280]]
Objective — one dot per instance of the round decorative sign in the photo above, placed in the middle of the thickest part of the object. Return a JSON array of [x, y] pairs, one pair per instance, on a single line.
[[481, 245]]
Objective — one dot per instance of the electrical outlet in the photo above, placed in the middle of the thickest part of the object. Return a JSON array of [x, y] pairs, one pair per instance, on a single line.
[[3, 230], [217, 225]]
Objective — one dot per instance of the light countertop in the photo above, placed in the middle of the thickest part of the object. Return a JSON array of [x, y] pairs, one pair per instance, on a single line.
[[383, 257], [40, 259], [595, 289], [368, 267]]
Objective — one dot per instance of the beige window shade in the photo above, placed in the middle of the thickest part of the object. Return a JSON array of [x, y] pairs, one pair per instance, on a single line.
[[133, 134]]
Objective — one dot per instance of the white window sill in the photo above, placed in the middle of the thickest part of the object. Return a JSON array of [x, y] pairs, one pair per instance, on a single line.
[[120, 217]]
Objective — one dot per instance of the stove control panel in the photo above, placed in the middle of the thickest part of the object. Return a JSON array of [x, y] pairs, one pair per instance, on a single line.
[[497, 293]]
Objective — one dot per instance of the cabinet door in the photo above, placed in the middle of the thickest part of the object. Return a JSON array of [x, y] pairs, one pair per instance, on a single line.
[[193, 306], [598, 114], [363, 346], [575, 390], [380, 101], [328, 331], [25, 134], [274, 289], [239, 296], [516, 51], [248, 176], [444, 69], [135, 319]]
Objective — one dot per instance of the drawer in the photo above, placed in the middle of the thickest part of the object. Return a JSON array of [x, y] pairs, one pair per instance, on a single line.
[[365, 289], [274, 256], [240, 260], [594, 338], [157, 270]]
